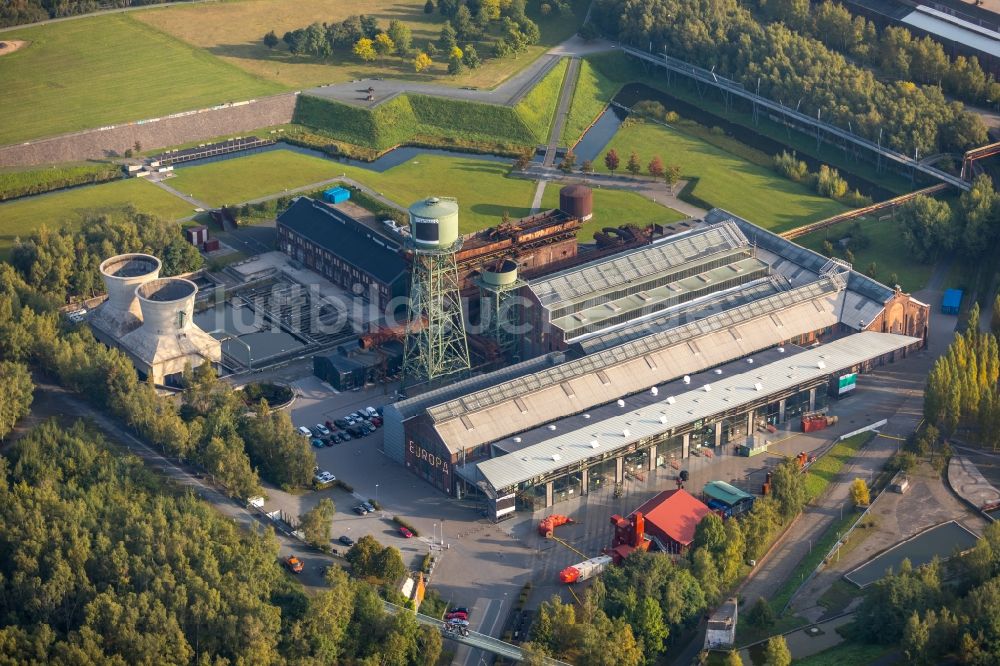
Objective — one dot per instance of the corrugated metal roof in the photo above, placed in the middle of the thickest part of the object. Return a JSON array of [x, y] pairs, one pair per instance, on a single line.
[[525, 403], [955, 29], [637, 264], [725, 492], [728, 392]]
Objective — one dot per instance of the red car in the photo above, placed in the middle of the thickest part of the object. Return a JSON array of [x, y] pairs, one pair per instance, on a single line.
[[456, 615], [406, 532], [294, 564]]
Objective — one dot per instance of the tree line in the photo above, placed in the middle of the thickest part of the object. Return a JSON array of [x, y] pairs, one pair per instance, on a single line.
[[631, 613], [933, 228], [895, 51], [796, 69], [500, 27], [19, 12], [104, 563]]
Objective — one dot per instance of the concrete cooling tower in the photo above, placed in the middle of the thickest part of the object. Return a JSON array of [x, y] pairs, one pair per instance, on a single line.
[[120, 313], [168, 339]]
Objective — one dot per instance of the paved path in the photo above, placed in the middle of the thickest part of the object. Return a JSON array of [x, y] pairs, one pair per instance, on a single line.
[[653, 190], [507, 93], [180, 195], [555, 132]]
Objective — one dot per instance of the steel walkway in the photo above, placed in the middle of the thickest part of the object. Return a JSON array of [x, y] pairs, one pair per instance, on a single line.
[[730, 87], [476, 640]]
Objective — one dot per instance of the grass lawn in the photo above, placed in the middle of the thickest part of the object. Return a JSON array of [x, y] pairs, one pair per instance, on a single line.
[[592, 93], [107, 69], [539, 106], [855, 654], [885, 250], [69, 208], [822, 472], [234, 30], [482, 188], [241, 179], [613, 208], [725, 180]]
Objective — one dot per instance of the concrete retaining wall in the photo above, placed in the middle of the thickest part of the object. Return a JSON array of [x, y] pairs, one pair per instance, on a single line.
[[153, 133]]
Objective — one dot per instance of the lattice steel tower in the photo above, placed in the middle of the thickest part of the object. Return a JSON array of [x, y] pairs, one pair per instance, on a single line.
[[501, 314], [435, 344]]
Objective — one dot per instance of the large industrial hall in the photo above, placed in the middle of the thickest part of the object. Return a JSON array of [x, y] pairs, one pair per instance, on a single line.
[[702, 338]]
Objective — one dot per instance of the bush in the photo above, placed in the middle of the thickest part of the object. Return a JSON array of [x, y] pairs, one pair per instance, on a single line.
[[344, 486], [275, 394], [425, 563], [402, 523], [378, 507], [789, 166]]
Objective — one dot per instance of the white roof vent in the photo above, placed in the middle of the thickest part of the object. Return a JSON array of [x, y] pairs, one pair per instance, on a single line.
[[663, 419], [556, 457], [552, 427], [750, 361], [671, 400], [758, 387], [594, 443], [687, 379], [625, 432], [781, 350], [821, 365], [517, 440], [621, 403], [708, 387], [654, 391], [586, 416], [524, 458], [718, 371]]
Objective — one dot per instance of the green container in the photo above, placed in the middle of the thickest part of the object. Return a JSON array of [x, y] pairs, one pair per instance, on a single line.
[[434, 223]]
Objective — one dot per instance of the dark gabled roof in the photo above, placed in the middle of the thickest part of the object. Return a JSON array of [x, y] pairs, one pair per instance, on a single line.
[[348, 239]]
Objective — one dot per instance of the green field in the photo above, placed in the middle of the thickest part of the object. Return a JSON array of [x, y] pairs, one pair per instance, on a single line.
[[592, 93], [723, 179], [613, 208], [885, 249], [108, 69], [68, 209], [241, 179], [539, 105]]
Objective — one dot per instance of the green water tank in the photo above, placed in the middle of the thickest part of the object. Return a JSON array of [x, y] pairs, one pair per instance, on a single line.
[[434, 223]]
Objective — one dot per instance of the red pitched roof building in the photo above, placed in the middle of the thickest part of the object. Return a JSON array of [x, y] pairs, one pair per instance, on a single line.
[[671, 518]]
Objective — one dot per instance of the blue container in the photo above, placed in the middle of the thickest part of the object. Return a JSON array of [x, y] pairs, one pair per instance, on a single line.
[[952, 301], [336, 195]]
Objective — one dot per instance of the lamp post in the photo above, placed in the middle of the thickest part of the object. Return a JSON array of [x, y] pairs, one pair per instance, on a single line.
[[376, 497]]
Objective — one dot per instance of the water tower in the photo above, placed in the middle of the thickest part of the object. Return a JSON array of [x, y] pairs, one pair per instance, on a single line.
[[499, 313], [435, 343]]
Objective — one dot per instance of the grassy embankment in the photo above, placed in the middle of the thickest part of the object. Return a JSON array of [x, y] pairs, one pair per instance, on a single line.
[[603, 75], [25, 182], [885, 250], [233, 32], [723, 179], [429, 121], [69, 209], [109, 69]]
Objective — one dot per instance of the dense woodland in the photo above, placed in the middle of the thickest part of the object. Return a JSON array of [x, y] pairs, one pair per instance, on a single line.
[[18, 12], [791, 65], [101, 563], [969, 230]]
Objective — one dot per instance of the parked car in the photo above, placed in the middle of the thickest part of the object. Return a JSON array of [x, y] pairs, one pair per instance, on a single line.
[[341, 423], [329, 426], [318, 443], [356, 431], [459, 609], [369, 507], [294, 564], [360, 510], [346, 540], [405, 531], [321, 429], [346, 437], [323, 478], [370, 411], [456, 615], [376, 421], [304, 431]]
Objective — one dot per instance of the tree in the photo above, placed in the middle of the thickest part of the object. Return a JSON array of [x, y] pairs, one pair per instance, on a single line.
[[859, 493], [455, 66], [776, 653], [470, 57], [16, 391], [568, 162], [672, 175], [429, 7], [464, 27], [733, 659], [317, 522], [490, 9], [916, 636], [788, 488], [655, 167], [389, 564], [448, 38], [384, 44], [364, 48], [422, 62], [611, 160], [761, 615], [979, 214], [523, 161], [401, 36], [362, 555], [588, 167], [995, 317], [634, 166], [271, 40]]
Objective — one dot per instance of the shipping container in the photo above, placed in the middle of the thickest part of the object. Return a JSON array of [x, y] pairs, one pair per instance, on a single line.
[[952, 301], [584, 570], [336, 195]]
